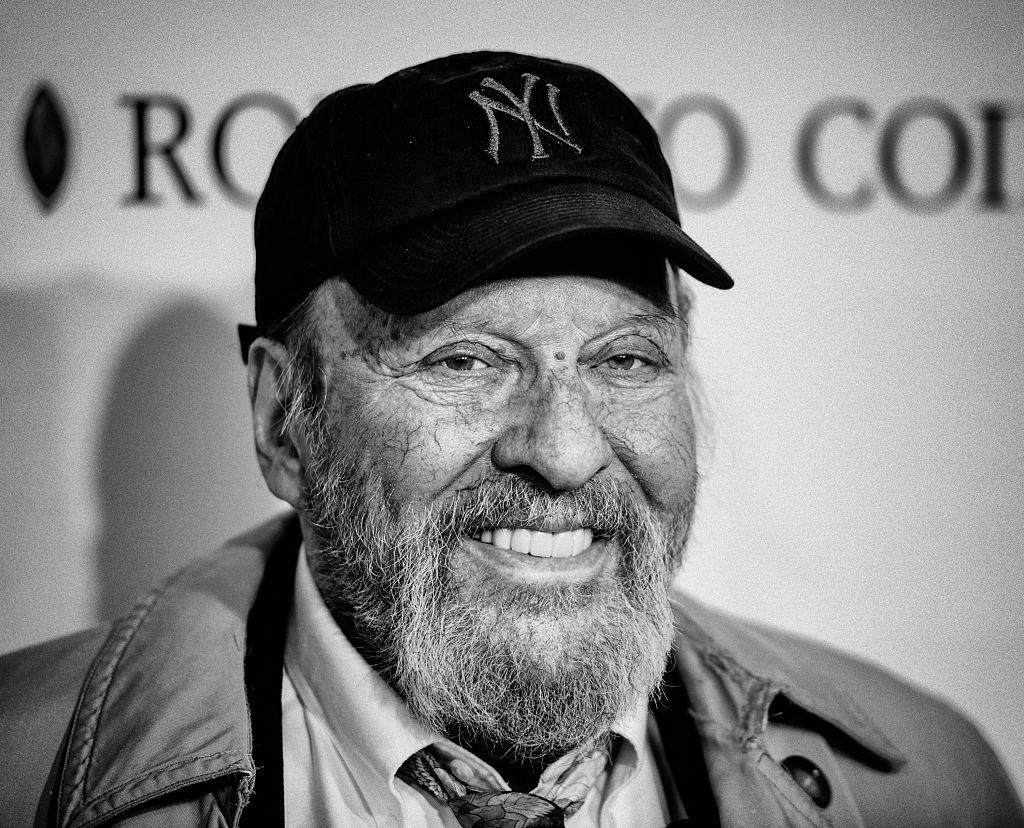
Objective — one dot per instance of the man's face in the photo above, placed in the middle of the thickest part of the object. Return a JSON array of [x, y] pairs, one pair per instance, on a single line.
[[500, 490]]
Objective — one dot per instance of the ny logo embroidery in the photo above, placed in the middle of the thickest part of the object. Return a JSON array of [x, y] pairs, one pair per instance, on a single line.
[[520, 110]]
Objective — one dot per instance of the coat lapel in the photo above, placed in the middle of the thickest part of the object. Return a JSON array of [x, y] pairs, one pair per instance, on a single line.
[[164, 705], [734, 677]]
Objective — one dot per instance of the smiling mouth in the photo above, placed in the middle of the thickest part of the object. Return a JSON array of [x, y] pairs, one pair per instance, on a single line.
[[538, 544]]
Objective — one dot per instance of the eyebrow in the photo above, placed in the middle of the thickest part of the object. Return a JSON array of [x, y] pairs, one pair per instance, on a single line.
[[666, 323], [391, 329]]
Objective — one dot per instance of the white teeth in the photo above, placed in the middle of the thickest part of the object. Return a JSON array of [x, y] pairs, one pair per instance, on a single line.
[[521, 541], [540, 544], [561, 545], [581, 539]]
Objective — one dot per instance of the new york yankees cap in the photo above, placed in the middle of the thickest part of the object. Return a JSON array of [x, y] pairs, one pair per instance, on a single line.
[[445, 174]]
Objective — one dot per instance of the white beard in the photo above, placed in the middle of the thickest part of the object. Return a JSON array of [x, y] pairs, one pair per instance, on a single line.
[[530, 671]]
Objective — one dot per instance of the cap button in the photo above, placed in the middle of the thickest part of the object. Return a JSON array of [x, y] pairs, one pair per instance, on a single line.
[[809, 777]]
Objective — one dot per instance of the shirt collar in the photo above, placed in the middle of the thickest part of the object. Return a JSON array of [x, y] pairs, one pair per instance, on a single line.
[[364, 715]]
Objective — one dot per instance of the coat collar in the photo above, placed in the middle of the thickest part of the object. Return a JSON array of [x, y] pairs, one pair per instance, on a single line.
[[760, 672], [164, 705]]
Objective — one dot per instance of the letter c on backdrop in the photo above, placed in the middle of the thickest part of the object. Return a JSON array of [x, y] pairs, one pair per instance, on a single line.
[[807, 154]]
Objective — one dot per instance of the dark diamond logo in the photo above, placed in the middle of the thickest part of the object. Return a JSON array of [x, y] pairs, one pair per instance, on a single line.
[[47, 146]]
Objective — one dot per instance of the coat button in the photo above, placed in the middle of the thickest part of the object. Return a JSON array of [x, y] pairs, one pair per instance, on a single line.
[[809, 777]]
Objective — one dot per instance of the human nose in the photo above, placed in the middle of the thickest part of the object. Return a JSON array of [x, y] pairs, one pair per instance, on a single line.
[[556, 435]]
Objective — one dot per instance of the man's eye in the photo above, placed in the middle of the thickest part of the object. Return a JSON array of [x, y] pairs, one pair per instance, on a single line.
[[626, 362], [462, 362]]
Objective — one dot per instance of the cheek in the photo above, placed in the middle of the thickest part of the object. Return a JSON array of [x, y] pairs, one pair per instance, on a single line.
[[656, 444], [420, 449]]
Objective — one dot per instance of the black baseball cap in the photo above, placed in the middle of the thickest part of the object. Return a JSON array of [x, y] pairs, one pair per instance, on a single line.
[[445, 174]]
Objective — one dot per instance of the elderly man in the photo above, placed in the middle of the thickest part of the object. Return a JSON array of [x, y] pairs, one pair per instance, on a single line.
[[469, 376]]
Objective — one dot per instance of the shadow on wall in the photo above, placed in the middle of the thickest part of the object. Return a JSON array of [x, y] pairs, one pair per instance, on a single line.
[[176, 472]]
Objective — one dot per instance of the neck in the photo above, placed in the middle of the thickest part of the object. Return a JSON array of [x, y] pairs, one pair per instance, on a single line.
[[361, 643], [520, 774]]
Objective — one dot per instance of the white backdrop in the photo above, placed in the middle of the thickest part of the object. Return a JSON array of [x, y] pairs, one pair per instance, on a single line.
[[864, 474]]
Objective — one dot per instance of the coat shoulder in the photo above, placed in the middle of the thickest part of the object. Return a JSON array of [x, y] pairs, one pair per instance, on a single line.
[[158, 648], [939, 758], [39, 690]]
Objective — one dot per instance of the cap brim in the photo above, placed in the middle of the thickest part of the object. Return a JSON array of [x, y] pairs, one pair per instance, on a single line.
[[441, 257]]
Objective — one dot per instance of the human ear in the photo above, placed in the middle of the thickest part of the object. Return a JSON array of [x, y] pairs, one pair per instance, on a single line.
[[278, 450]]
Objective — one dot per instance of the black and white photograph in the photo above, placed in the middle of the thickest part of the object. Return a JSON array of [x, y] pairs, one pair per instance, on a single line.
[[596, 415]]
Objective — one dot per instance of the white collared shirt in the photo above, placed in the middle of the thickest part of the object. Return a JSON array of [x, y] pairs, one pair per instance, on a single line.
[[345, 734]]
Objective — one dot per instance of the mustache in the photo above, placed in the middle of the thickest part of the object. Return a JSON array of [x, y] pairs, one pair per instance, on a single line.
[[609, 508]]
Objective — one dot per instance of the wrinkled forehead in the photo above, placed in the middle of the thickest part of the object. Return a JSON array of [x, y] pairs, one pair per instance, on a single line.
[[515, 300]]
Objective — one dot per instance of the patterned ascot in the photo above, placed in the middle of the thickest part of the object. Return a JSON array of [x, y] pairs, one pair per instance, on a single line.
[[480, 798]]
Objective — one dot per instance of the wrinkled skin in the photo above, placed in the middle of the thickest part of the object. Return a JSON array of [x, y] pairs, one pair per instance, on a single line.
[[559, 379], [558, 390]]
